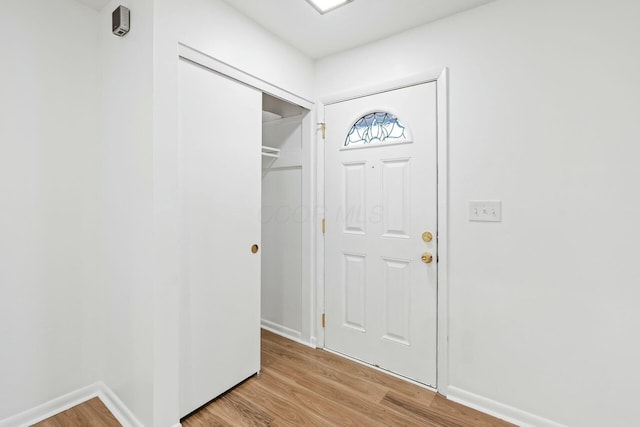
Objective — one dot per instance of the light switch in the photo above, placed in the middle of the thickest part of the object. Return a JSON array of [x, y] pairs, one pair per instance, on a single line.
[[485, 210]]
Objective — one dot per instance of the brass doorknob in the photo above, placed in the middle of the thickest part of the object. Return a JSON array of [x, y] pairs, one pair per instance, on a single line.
[[427, 236], [427, 258], [254, 249]]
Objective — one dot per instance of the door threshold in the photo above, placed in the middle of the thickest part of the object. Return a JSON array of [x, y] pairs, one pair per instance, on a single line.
[[384, 371]]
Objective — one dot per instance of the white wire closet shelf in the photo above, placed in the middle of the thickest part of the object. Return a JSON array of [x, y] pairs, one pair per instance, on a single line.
[[270, 151]]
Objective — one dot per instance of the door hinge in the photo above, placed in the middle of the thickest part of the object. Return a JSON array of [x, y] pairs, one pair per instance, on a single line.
[[323, 317], [323, 128], [323, 225]]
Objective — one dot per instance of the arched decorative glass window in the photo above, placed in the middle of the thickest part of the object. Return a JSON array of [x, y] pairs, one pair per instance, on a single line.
[[377, 128]]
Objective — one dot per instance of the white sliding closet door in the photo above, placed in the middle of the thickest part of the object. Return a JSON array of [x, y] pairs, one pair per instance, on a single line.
[[220, 139]]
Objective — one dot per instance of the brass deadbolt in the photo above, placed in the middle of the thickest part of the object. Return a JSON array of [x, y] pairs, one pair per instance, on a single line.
[[254, 249], [427, 237], [427, 258]]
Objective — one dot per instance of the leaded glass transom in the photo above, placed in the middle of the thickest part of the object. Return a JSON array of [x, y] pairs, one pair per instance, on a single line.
[[375, 128]]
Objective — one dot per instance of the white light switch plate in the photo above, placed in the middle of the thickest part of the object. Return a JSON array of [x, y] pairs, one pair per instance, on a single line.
[[485, 210]]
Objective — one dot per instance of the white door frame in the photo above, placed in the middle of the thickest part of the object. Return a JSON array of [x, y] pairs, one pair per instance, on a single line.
[[221, 67], [440, 77]]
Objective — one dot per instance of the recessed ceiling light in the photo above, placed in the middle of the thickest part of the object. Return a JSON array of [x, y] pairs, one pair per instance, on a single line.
[[324, 6]]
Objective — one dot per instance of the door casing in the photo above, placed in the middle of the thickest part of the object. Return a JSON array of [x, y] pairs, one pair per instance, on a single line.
[[440, 77]]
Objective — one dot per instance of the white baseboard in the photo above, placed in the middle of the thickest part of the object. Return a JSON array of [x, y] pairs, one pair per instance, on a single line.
[[498, 410], [69, 400], [119, 410], [51, 408], [283, 331]]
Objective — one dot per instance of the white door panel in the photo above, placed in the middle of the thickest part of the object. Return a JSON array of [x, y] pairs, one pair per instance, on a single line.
[[220, 138], [380, 298]]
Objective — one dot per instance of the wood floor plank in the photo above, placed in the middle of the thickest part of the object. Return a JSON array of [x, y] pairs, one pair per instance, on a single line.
[[91, 413], [232, 409], [363, 372], [401, 404], [206, 418], [345, 395], [366, 376], [322, 407], [303, 368], [285, 411]]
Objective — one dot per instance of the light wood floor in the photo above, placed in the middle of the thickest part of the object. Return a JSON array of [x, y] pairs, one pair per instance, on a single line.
[[91, 413], [299, 386]]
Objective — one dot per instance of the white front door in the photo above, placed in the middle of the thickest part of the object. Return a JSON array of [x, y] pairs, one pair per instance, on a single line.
[[220, 139], [381, 194]]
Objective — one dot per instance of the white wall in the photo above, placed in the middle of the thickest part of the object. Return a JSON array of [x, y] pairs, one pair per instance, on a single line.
[[216, 29], [48, 200], [126, 154], [544, 99], [89, 217]]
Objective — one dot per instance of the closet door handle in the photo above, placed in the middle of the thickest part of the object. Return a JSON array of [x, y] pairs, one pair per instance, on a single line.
[[254, 249]]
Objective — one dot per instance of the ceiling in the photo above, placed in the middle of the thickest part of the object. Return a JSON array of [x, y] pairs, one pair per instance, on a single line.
[[355, 24], [95, 4]]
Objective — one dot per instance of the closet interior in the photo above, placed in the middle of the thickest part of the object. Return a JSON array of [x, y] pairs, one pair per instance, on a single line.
[[285, 211]]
